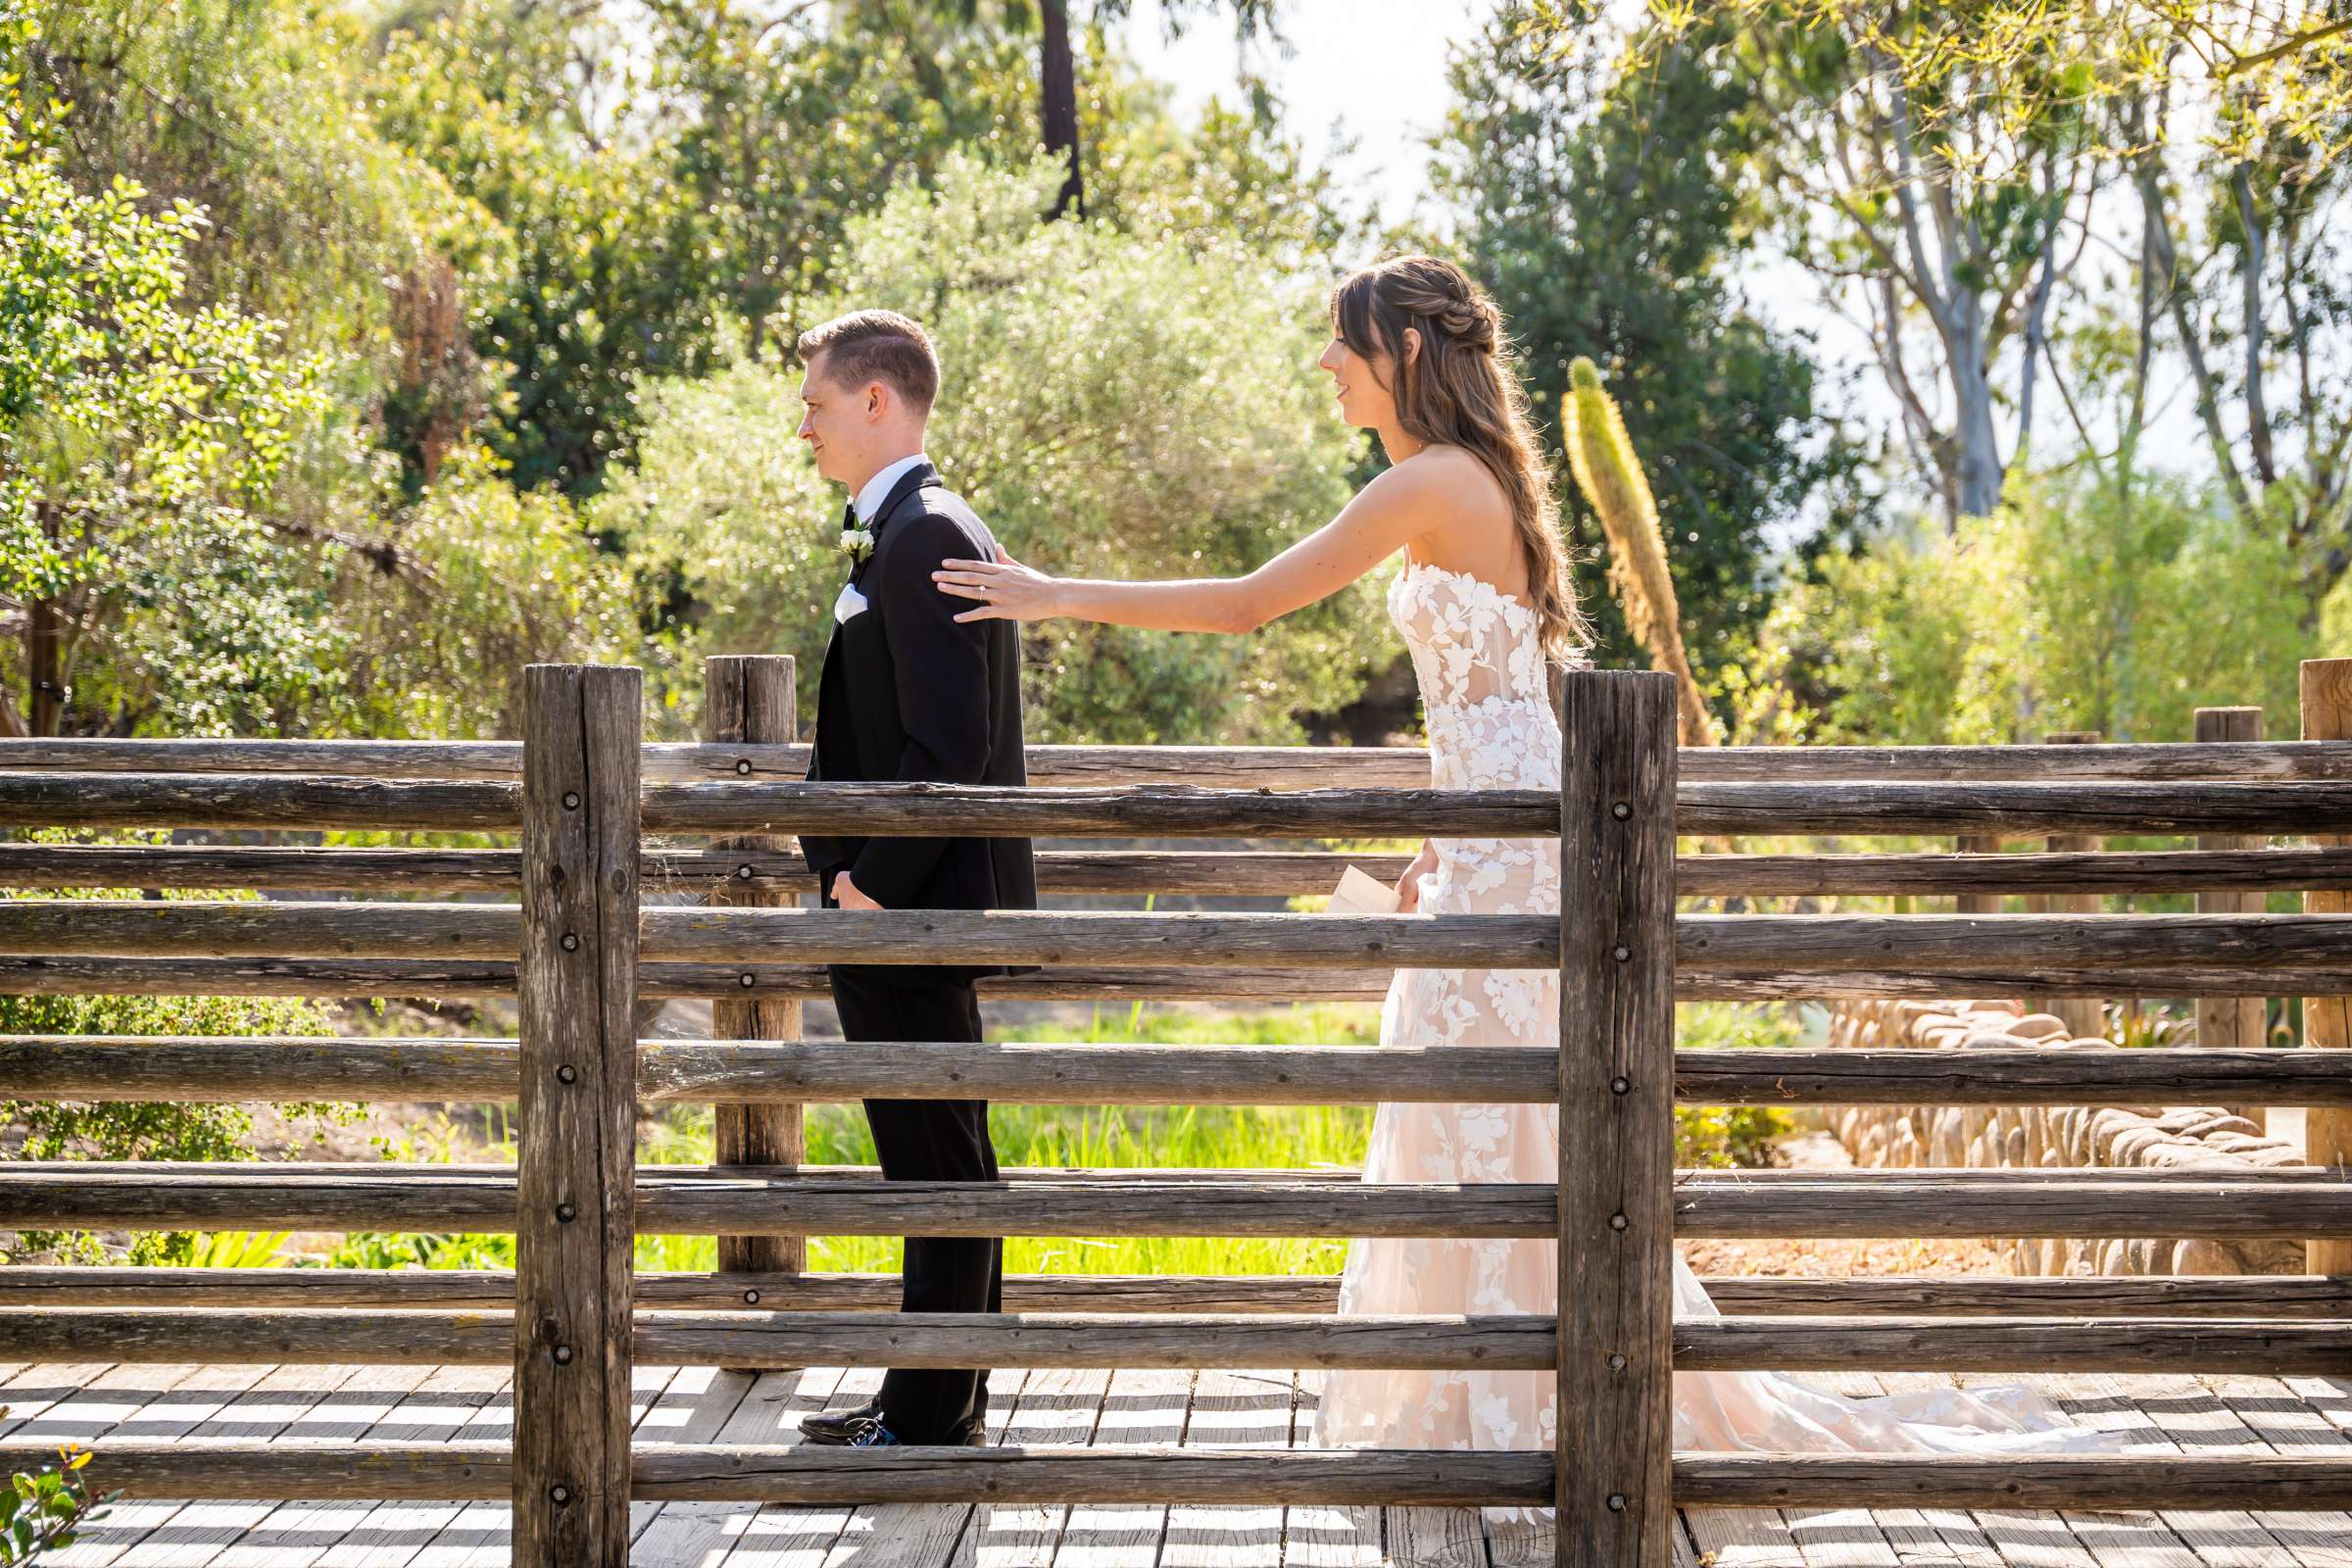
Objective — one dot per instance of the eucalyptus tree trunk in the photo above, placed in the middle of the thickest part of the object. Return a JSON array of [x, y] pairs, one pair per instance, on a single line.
[[1059, 84]]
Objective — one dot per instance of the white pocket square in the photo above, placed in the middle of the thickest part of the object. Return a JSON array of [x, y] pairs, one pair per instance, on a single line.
[[851, 603]]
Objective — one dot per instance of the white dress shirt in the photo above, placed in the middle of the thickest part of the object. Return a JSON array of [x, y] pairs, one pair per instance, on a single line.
[[876, 490]]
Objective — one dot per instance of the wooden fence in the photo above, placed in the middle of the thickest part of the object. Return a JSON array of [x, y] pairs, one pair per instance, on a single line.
[[581, 945]]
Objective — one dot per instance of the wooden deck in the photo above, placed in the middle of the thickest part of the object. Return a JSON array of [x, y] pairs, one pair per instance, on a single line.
[[302, 1405]]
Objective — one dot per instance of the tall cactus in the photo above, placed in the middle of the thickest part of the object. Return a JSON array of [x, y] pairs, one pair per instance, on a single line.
[[1609, 473]]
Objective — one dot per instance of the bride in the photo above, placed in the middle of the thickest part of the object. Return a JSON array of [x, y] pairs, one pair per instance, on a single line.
[[1484, 602]]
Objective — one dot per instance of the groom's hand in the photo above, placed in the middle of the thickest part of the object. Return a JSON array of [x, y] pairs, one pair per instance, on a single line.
[[846, 894]]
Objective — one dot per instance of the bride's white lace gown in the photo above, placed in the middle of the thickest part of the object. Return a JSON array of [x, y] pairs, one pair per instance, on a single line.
[[1491, 726]]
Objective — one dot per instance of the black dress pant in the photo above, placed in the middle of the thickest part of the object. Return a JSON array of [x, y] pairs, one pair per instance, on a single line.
[[928, 1141]]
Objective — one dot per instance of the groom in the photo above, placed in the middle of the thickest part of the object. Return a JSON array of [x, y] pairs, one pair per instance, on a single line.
[[909, 694]]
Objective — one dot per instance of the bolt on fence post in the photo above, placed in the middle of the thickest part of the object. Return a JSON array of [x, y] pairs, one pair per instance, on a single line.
[[1614, 1472], [575, 1220]]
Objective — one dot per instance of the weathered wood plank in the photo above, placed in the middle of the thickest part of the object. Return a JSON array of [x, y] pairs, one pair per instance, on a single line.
[[924, 1535], [332, 978], [2326, 692], [800, 1537], [33, 799], [1255, 874], [574, 1216], [299, 1535], [1616, 939], [2267, 1412], [733, 1406], [1702, 808], [2300, 1295], [180, 1401], [104, 1286], [1139, 1407], [1327, 1536], [1059, 1408], [1239, 766], [2013, 1344], [2009, 1482], [1246, 1409], [389, 1535], [750, 698], [1723, 947], [1055, 1072], [676, 1200]]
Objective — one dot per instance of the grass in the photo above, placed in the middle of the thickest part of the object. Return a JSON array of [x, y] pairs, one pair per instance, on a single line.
[[1246, 1136]]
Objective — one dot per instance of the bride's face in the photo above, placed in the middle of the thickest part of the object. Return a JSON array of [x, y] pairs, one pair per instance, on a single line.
[[1361, 385]]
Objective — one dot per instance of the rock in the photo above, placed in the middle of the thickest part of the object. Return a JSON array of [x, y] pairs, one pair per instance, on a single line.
[[2037, 1026], [2202, 1257]]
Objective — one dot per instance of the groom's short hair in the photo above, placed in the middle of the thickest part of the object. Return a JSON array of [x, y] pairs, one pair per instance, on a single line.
[[883, 346]]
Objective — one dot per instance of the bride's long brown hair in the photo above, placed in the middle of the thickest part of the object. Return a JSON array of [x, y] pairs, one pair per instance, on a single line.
[[1461, 390]]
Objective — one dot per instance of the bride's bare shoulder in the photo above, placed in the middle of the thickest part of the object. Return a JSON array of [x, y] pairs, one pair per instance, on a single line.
[[1448, 488]]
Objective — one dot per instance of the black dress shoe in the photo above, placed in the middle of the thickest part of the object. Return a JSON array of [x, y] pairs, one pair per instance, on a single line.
[[969, 1433], [837, 1426]]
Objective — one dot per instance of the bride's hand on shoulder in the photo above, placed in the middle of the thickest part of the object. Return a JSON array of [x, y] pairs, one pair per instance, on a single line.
[[1005, 590]]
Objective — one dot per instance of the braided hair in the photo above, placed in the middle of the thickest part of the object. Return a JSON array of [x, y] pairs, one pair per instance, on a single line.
[[1461, 390]]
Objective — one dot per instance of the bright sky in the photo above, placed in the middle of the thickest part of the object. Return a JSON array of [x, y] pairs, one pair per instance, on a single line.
[[1373, 71]]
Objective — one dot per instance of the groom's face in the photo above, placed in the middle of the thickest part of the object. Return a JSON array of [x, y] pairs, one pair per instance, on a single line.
[[834, 423]]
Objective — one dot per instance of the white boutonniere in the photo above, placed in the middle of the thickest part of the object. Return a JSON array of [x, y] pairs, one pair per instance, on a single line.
[[856, 544]]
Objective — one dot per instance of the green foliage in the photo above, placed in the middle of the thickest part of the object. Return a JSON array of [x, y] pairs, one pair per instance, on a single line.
[[141, 438], [1115, 404], [2074, 606], [491, 578], [1604, 213], [43, 1509]]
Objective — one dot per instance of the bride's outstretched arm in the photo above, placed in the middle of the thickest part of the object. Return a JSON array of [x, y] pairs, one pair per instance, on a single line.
[[1385, 515]]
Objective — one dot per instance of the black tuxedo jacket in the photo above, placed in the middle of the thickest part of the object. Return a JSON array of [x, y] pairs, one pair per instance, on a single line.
[[907, 694]]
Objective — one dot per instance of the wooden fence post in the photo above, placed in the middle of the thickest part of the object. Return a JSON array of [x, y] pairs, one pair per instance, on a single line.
[[748, 699], [2326, 702], [2231, 1020], [2085, 1017], [1614, 1454], [575, 1221], [1977, 844]]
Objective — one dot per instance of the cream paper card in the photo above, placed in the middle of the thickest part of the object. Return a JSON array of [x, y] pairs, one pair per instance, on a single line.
[[1359, 894]]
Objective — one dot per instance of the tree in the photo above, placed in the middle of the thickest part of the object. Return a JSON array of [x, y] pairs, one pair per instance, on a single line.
[[141, 441], [1114, 402], [1057, 64], [1604, 210]]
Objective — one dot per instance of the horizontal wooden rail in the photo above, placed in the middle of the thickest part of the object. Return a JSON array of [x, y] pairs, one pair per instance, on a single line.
[[1213, 874], [37, 1284], [2269, 1347], [836, 1477], [2140, 1480], [209, 1068], [767, 1340], [1231, 767], [356, 978], [800, 1476], [1700, 808], [2173, 1296], [301, 803], [2005, 1075], [206, 1069], [757, 1340], [1726, 949], [684, 1200]]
